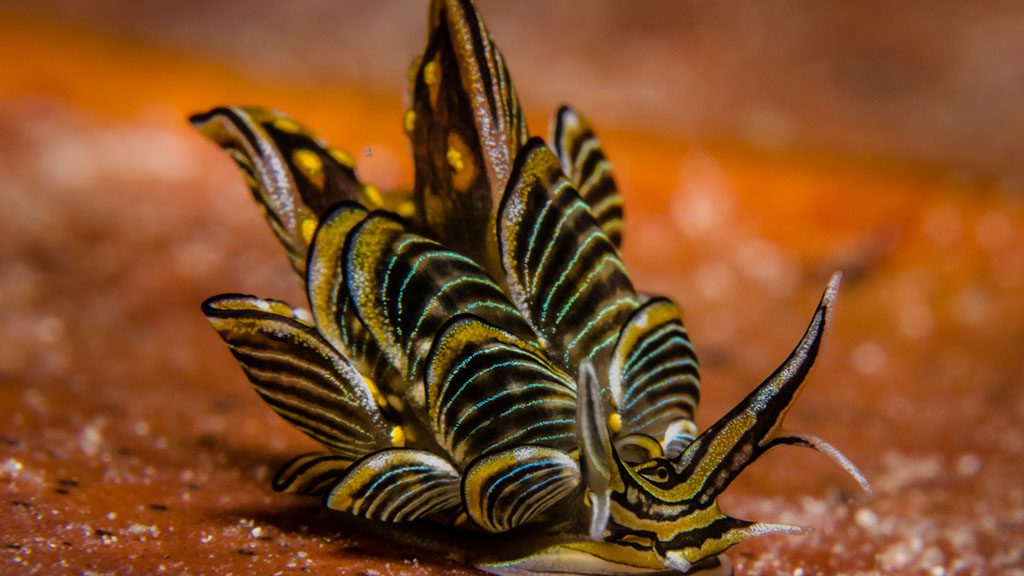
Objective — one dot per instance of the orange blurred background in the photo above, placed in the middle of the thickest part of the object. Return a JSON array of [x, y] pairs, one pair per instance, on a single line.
[[759, 146], [935, 82]]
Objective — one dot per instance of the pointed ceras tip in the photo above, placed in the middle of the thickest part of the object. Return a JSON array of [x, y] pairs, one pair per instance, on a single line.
[[213, 122], [199, 119], [828, 299]]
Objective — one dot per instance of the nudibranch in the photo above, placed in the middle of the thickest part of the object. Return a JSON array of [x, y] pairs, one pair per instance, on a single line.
[[474, 355]]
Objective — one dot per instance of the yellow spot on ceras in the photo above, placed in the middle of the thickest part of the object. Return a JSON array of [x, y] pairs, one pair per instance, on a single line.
[[396, 403], [372, 195], [614, 422], [430, 73], [409, 121], [406, 209], [374, 391], [431, 79], [455, 160], [342, 157], [460, 160], [311, 166], [285, 124], [397, 436], [308, 229]]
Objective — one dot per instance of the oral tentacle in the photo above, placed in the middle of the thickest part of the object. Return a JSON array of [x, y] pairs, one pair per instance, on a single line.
[[815, 443], [687, 554]]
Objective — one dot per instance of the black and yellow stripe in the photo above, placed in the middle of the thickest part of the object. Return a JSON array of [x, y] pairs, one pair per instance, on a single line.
[[397, 485], [726, 448], [586, 558], [584, 162], [562, 271], [312, 474], [653, 377], [292, 174], [405, 287], [300, 375], [330, 304], [488, 390], [506, 489]]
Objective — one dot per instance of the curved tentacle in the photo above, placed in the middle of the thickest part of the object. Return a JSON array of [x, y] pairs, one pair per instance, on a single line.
[[725, 449], [823, 447]]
